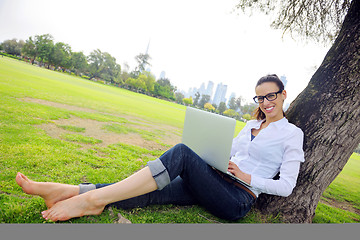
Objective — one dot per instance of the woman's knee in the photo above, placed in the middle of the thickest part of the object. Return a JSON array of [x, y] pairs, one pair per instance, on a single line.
[[181, 146]]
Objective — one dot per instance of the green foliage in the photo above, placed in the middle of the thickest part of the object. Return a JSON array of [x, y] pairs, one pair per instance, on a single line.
[[163, 88], [246, 116], [137, 84], [231, 113], [43, 45], [197, 97], [149, 80], [222, 107], [29, 49], [204, 99], [249, 108], [209, 107], [10, 56], [179, 97], [78, 62], [103, 65], [232, 104], [13, 47], [318, 19], [60, 55], [188, 101], [143, 61]]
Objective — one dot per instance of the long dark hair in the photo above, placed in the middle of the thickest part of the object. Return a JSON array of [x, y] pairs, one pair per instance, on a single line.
[[258, 114]]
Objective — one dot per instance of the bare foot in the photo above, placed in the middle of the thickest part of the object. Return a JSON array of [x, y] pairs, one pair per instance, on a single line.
[[77, 206], [50, 192]]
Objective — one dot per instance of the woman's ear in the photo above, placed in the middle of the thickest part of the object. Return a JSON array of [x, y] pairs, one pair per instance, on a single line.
[[284, 94]]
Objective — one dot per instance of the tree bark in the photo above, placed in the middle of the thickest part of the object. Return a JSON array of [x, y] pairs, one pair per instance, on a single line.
[[328, 111]]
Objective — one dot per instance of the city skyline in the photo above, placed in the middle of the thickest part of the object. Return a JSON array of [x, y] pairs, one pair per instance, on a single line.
[[221, 92]]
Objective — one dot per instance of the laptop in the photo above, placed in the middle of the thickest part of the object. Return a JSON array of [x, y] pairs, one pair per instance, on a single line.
[[210, 136]]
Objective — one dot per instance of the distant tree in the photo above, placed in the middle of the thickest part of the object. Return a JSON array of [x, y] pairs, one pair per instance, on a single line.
[[13, 46], [222, 107], [79, 62], [103, 65], [60, 55], [249, 108], [246, 116], [231, 113], [111, 70], [29, 49], [164, 88], [43, 44], [179, 97], [209, 107], [143, 61], [232, 104], [238, 102], [188, 101], [149, 81], [196, 100], [204, 99], [137, 84], [124, 75], [96, 63]]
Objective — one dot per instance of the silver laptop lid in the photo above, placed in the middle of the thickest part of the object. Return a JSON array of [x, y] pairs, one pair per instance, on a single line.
[[210, 136]]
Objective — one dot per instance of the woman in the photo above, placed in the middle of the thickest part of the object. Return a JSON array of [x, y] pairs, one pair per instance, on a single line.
[[265, 147]]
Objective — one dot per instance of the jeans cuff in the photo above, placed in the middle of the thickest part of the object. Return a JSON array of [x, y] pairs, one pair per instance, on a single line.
[[159, 173], [85, 187]]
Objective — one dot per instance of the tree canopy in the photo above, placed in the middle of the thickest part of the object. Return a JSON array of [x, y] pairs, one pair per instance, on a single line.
[[319, 20]]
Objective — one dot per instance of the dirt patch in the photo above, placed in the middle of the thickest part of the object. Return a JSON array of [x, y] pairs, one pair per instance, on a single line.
[[341, 205], [57, 105], [95, 129]]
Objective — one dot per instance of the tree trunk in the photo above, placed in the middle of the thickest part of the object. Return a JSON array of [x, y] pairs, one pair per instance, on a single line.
[[328, 111]]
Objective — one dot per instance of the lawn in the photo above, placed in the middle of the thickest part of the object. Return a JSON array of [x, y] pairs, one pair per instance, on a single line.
[[57, 127]]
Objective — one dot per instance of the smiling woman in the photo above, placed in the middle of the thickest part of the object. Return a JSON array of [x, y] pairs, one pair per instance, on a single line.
[[270, 97]]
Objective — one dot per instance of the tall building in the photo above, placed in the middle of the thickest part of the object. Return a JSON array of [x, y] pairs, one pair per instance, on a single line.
[[209, 89], [220, 94], [202, 89]]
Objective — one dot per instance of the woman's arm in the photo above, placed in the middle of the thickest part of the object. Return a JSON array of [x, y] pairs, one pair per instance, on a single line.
[[234, 169], [289, 169]]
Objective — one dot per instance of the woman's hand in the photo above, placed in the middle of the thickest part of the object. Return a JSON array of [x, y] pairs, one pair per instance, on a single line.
[[234, 169]]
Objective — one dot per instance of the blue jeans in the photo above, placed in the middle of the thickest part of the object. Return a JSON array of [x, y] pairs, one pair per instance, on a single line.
[[192, 181]]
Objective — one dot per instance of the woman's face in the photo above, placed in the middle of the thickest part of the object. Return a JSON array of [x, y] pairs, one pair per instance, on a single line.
[[273, 109]]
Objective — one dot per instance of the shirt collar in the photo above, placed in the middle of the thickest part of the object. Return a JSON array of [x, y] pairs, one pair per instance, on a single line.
[[278, 124]]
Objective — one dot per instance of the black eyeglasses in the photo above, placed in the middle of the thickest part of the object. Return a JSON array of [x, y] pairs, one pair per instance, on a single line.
[[269, 97]]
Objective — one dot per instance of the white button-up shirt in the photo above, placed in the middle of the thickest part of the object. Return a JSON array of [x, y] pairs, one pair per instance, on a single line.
[[278, 147]]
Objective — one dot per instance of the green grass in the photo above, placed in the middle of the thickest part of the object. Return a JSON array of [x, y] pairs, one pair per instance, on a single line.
[[27, 148], [345, 191], [72, 128], [80, 138]]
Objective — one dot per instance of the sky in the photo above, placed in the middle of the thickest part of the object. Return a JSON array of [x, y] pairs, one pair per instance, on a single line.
[[193, 41]]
